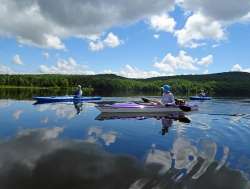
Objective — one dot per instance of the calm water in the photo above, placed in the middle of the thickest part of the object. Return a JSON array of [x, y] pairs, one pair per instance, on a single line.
[[63, 146]]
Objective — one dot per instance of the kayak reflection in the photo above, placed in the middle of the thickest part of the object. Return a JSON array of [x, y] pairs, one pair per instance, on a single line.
[[166, 119]]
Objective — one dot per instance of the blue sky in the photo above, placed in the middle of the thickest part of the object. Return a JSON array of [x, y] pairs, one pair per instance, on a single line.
[[131, 38]]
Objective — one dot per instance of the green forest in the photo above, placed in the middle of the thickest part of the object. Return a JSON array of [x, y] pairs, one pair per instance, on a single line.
[[219, 84]]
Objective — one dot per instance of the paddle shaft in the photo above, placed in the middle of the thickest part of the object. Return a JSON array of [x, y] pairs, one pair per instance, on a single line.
[[182, 107]]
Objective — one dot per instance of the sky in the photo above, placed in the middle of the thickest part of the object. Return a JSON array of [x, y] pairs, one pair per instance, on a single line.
[[132, 38]]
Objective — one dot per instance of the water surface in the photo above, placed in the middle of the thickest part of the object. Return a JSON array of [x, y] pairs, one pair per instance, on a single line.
[[67, 146]]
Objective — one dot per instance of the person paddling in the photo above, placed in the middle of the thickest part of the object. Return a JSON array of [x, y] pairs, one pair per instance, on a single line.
[[78, 92], [202, 93], [167, 98]]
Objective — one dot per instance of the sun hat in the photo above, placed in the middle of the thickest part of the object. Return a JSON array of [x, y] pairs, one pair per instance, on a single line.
[[166, 88]]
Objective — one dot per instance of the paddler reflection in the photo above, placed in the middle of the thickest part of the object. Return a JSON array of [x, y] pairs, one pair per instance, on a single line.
[[78, 107], [167, 122]]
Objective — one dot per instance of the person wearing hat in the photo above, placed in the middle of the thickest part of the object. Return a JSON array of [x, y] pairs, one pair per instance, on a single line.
[[167, 97], [78, 92]]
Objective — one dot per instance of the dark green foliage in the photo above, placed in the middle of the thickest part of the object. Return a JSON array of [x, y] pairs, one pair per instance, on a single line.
[[220, 84]]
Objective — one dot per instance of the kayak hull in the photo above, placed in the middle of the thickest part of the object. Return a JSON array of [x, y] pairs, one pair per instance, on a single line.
[[138, 115], [200, 98], [65, 99], [138, 108]]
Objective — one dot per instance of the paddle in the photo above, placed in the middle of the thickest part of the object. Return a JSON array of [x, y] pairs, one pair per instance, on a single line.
[[146, 100], [182, 107], [184, 120], [185, 108]]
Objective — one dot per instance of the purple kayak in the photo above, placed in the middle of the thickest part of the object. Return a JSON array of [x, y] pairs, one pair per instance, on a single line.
[[130, 107]]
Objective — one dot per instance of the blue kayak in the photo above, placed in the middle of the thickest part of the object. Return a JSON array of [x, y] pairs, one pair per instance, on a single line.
[[200, 98], [51, 99]]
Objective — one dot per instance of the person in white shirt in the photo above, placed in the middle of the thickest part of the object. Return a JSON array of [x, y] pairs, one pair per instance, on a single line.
[[167, 98], [202, 93], [78, 92]]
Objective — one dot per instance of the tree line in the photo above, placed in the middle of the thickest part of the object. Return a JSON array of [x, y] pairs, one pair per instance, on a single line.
[[221, 84]]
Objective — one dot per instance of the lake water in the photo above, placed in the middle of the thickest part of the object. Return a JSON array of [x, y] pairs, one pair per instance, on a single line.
[[63, 146]]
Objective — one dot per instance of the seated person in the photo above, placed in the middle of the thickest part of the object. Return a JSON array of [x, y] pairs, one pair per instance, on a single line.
[[78, 92], [202, 93], [167, 97]]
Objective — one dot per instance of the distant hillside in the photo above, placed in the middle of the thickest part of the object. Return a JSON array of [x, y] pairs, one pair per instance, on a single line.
[[223, 84], [220, 84], [228, 76]]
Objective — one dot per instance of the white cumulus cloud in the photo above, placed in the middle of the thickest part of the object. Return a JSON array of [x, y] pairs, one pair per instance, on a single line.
[[156, 36], [246, 18], [96, 46], [5, 69], [17, 60], [54, 42], [45, 23], [198, 28], [170, 64], [206, 60], [110, 41], [133, 72], [69, 66], [16, 115], [162, 23], [209, 19], [238, 68]]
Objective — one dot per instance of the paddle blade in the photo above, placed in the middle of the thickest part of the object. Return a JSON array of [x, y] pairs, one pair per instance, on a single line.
[[184, 120], [145, 100], [185, 108]]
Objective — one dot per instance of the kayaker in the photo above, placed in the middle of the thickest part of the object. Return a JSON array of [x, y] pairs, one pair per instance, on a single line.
[[78, 92], [202, 93], [167, 97]]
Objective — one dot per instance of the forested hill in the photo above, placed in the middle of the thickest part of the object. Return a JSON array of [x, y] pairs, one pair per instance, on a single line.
[[221, 84], [228, 76]]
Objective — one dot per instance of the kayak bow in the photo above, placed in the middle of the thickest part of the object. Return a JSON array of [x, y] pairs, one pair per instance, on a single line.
[[200, 98]]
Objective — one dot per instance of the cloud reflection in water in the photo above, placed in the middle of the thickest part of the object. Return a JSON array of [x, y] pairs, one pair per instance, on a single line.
[[96, 134], [66, 110], [38, 158], [16, 115]]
